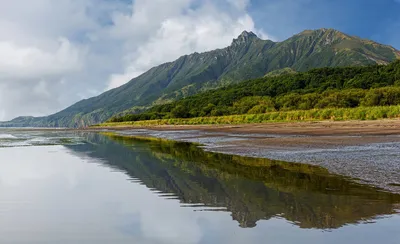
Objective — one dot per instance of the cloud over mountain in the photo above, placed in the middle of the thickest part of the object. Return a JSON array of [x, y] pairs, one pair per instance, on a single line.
[[65, 50]]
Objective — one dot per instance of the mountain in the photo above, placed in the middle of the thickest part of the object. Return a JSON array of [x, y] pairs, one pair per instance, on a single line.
[[246, 58]]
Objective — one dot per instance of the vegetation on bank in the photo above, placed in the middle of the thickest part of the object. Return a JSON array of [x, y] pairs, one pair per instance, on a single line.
[[322, 91], [336, 114]]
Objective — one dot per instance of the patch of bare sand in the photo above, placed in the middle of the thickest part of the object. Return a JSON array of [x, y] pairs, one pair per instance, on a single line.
[[374, 127]]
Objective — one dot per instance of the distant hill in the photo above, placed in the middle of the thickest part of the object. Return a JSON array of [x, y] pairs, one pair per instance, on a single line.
[[248, 57]]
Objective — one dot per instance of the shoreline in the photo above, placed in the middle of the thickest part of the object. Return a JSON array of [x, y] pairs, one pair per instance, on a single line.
[[351, 127], [366, 151], [287, 135], [382, 127]]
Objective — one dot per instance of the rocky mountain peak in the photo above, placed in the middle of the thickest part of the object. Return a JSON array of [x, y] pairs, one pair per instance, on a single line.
[[245, 37]]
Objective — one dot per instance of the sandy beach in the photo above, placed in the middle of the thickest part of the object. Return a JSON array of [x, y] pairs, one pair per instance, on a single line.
[[309, 134]]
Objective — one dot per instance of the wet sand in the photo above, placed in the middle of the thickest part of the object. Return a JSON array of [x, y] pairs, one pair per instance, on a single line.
[[370, 127], [325, 134], [368, 151]]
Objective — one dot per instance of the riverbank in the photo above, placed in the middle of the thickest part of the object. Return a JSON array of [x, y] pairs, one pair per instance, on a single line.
[[368, 151], [277, 136], [355, 127]]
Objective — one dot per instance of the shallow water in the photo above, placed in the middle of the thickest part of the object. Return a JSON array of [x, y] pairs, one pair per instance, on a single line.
[[377, 164], [90, 188], [23, 138]]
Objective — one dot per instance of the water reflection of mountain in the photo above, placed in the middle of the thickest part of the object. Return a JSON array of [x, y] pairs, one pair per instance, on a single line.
[[251, 189]]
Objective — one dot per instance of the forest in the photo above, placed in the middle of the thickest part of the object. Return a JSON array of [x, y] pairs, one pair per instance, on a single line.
[[323, 88]]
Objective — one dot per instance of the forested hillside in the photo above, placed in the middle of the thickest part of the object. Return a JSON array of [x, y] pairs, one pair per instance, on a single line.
[[342, 87], [248, 57]]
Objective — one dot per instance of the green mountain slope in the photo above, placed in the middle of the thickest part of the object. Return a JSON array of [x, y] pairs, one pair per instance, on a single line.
[[246, 58], [339, 87], [278, 72]]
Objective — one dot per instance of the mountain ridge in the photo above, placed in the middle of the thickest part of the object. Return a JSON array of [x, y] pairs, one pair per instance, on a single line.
[[246, 58]]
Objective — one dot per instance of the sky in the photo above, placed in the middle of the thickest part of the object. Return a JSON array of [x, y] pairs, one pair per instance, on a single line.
[[54, 53]]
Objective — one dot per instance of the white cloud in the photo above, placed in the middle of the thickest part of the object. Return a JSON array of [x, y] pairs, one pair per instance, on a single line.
[[75, 181], [239, 4], [24, 62], [56, 52]]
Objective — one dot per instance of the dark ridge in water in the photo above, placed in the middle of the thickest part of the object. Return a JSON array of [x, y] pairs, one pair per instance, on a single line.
[[250, 189]]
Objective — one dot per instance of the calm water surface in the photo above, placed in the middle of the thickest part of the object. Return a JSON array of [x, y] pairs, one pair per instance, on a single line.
[[90, 188]]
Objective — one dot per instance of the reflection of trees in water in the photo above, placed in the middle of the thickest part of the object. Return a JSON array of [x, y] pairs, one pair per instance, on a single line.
[[251, 189]]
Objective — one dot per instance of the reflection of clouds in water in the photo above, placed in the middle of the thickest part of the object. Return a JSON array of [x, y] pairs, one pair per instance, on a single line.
[[30, 164], [54, 195], [51, 194], [160, 222]]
